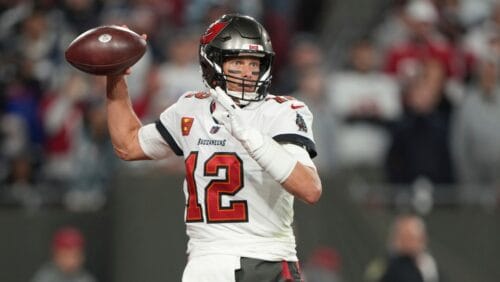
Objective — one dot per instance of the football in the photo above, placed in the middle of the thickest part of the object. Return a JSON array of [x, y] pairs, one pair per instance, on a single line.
[[105, 50]]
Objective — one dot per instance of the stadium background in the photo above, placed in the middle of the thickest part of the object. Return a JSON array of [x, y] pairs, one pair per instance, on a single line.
[[136, 233]]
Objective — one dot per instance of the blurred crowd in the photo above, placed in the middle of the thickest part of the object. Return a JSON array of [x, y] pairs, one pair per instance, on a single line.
[[415, 103]]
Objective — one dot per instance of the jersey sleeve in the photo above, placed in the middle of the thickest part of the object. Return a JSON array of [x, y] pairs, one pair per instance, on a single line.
[[152, 144], [168, 125], [293, 124], [300, 154]]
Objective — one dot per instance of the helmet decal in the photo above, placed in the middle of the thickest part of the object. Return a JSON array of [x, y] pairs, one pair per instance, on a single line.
[[252, 47], [212, 31]]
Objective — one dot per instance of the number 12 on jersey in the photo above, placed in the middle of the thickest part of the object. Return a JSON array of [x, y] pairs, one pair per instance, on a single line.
[[237, 211]]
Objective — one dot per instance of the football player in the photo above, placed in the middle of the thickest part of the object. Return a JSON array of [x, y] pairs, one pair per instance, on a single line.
[[247, 155]]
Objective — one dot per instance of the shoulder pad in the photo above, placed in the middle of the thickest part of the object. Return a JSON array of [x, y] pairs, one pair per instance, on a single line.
[[279, 99], [287, 101]]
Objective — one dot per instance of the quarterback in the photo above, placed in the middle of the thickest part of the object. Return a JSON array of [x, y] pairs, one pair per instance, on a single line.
[[247, 155]]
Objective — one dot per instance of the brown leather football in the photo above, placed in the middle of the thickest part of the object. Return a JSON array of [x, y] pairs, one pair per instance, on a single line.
[[105, 50]]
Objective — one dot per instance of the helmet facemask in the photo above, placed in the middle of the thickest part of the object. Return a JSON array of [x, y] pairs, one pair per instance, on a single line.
[[249, 90]]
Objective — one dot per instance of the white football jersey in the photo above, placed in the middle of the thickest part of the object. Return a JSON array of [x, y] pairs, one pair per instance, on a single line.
[[232, 205]]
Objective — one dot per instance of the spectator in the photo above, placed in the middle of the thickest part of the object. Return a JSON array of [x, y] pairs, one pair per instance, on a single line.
[[62, 120], [68, 257], [449, 23], [95, 158], [14, 135], [393, 28], [305, 54], [22, 98], [37, 44], [364, 101], [409, 259], [324, 265], [483, 40], [180, 72], [278, 17], [425, 42], [420, 139], [473, 13], [476, 136], [20, 188], [78, 156]]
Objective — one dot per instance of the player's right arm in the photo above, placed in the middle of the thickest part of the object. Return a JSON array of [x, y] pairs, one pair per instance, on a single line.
[[123, 123]]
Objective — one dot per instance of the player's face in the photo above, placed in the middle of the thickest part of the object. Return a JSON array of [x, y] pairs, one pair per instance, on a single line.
[[69, 260], [242, 73]]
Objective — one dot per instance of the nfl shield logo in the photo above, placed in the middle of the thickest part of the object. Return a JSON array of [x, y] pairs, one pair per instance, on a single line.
[[214, 129]]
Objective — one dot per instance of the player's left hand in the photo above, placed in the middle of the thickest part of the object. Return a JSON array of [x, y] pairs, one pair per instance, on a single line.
[[262, 148], [230, 114], [232, 120], [225, 107]]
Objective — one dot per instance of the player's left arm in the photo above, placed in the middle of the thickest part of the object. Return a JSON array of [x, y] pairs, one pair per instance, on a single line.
[[303, 182]]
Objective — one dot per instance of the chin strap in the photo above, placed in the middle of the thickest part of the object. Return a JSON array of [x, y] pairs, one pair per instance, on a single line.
[[263, 149], [239, 96]]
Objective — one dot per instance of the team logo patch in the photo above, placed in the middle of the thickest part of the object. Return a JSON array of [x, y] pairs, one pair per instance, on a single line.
[[299, 120], [186, 124]]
